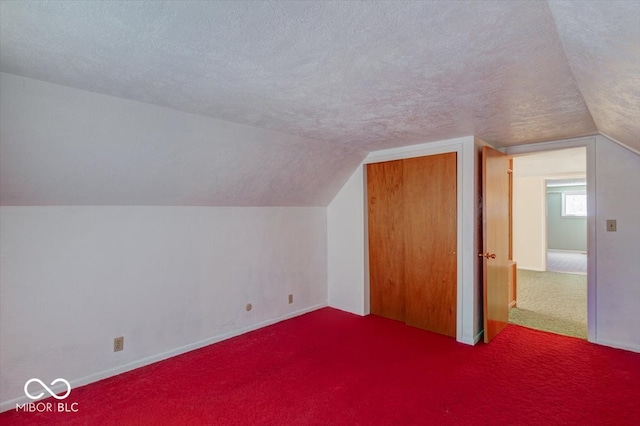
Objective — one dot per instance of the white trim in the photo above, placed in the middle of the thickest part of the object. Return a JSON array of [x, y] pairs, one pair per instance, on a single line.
[[590, 144], [11, 404], [465, 152], [367, 276], [626, 347], [345, 308], [568, 251], [528, 268], [552, 146], [545, 224], [411, 151]]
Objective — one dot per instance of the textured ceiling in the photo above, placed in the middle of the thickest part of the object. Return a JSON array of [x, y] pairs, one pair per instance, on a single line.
[[347, 74], [602, 41]]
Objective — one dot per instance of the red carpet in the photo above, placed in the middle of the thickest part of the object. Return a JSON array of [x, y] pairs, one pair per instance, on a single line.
[[333, 368]]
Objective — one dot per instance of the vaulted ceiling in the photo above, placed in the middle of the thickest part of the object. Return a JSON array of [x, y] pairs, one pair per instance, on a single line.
[[347, 74]]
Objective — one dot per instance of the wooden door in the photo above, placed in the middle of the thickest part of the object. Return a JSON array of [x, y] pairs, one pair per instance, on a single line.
[[430, 235], [495, 219], [412, 208], [386, 239]]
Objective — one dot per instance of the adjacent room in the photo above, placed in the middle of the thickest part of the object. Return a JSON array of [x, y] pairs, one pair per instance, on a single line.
[[311, 212], [550, 241]]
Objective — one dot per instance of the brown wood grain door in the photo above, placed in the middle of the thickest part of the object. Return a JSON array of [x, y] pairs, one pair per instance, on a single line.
[[386, 239], [495, 219], [430, 235]]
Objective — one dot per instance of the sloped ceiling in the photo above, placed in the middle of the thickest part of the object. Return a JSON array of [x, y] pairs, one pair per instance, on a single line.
[[345, 77], [602, 41]]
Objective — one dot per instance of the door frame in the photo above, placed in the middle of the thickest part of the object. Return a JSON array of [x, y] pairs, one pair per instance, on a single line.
[[466, 285], [590, 144]]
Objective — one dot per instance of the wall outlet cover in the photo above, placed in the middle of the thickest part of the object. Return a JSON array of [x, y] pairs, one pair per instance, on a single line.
[[118, 344]]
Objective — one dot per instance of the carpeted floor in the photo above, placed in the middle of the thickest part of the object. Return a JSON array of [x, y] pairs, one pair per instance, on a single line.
[[333, 368], [571, 262], [551, 301]]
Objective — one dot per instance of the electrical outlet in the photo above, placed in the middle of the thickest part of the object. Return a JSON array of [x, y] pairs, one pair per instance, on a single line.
[[118, 344], [290, 298], [612, 225]]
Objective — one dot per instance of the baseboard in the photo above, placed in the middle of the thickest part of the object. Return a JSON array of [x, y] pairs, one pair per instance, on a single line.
[[466, 341], [478, 337], [346, 308], [568, 251], [526, 268], [617, 345], [11, 404]]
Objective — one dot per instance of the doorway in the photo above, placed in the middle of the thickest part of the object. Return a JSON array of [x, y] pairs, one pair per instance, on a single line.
[[566, 224], [550, 241]]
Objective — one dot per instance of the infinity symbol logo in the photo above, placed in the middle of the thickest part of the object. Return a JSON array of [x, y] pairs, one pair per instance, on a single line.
[[52, 393]]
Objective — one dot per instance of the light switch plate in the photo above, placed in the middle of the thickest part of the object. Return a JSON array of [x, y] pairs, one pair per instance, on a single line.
[[611, 225]]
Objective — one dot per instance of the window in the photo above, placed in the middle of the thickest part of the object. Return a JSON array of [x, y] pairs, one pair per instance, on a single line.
[[574, 204]]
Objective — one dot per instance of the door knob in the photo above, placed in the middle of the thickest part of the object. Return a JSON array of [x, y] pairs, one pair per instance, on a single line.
[[487, 255]]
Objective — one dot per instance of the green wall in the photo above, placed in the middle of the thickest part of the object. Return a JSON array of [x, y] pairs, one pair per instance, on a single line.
[[564, 233]]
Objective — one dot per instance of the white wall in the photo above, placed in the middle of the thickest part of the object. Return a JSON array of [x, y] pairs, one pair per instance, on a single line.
[[614, 269], [347, 268], [346, 247], [617, 253], [613, 283], [64, 146], [168, 279], [529, 237]]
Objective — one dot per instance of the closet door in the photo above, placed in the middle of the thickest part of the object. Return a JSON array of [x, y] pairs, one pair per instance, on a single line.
[[386, 239], [430, 242]]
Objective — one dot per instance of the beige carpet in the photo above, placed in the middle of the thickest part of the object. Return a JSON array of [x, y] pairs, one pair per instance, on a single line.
[[551, 301]]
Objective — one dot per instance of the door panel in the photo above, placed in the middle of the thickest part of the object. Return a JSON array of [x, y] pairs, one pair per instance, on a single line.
[[430, 221], [495, 218], [386, 239]]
